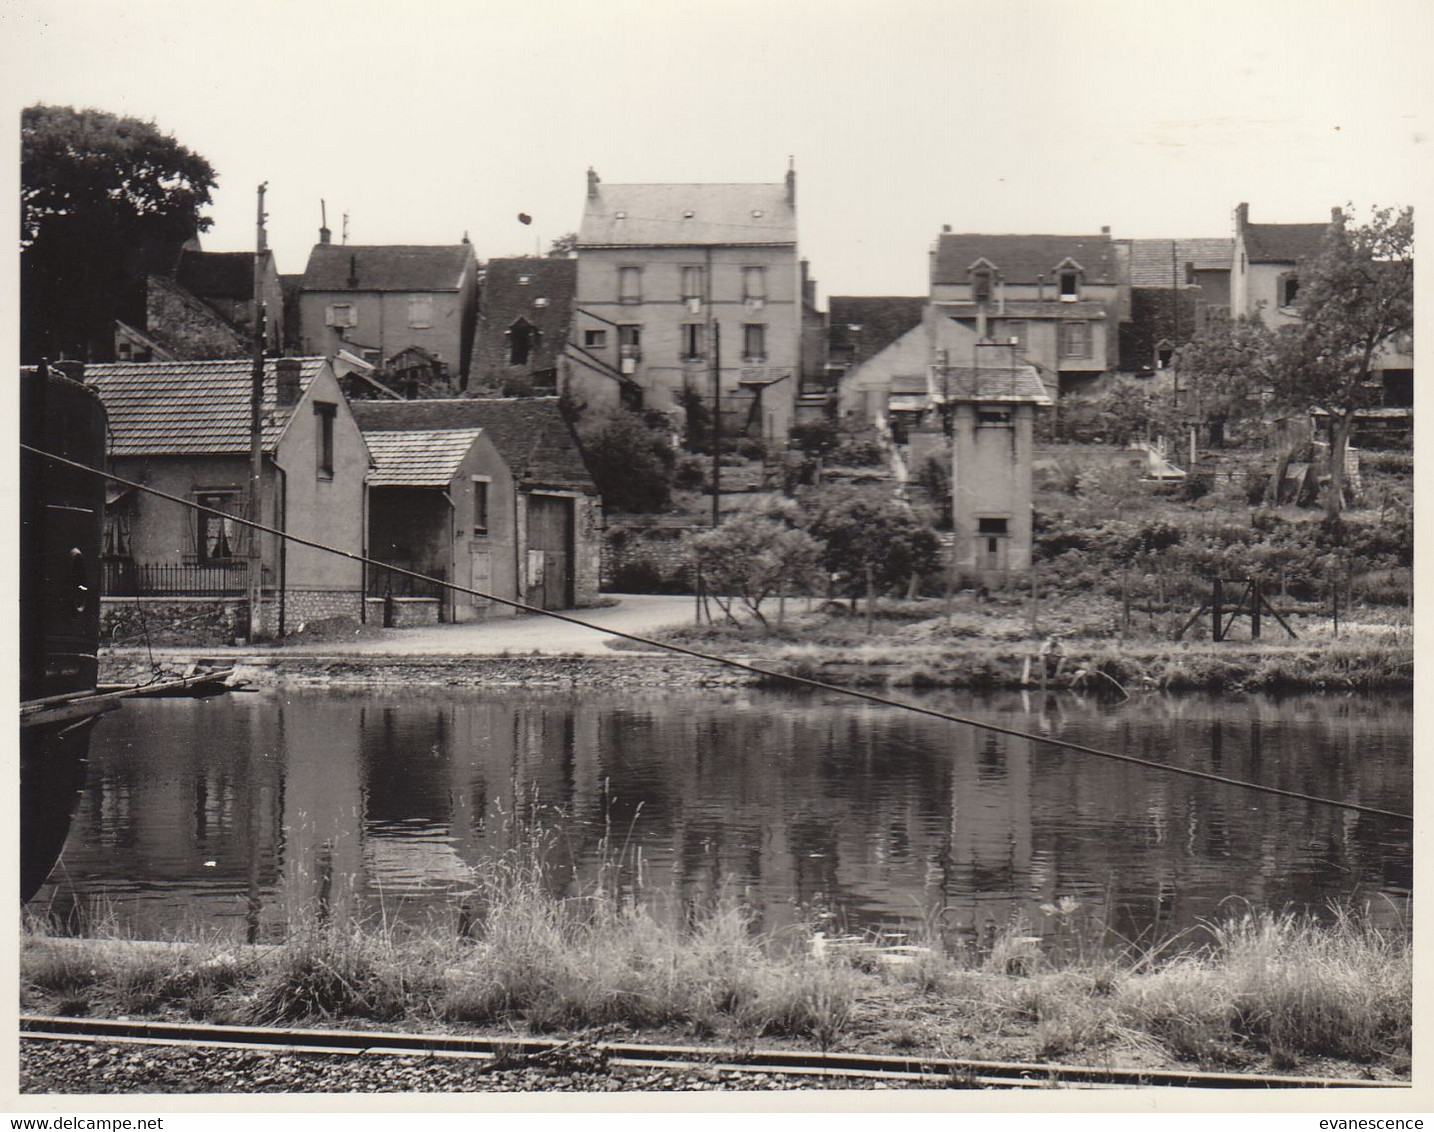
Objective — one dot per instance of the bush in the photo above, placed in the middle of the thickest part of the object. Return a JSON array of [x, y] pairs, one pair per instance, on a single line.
[[859, 454], [631, 461]]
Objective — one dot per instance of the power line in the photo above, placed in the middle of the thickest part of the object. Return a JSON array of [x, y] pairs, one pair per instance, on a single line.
[[854, 693]]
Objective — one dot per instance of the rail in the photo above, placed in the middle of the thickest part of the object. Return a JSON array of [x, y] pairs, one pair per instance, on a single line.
[[960, 1072]]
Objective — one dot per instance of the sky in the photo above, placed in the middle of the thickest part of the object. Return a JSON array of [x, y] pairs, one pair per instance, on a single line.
[[423, 122]]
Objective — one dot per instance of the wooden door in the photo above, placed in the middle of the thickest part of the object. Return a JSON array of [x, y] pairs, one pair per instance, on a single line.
[[550, 551]]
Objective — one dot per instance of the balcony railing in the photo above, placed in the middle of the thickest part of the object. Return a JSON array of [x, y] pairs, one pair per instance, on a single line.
[[123, 577]]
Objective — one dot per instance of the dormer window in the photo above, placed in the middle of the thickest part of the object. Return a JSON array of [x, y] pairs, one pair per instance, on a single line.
[[981, 285], [1069, 286], [619, 215], [756, 214], [688, 215], [524, 280]]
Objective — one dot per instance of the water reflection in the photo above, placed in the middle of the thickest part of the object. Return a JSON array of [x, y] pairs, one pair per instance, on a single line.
[[245, 813]]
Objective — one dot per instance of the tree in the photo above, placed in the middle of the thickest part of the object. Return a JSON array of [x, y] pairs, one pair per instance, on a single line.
[[751, 557], [1226, 369], [1355, 300], [870, 541], [631, 462], [564, 246], [103, 201]]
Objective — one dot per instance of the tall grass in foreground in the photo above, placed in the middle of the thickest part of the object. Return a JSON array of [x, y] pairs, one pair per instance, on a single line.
[[1254, 985]]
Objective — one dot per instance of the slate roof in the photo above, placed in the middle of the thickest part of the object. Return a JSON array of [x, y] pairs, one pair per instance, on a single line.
[[967, 383], [882, 318], [188, 408], [529, 432], [216, 275], [1150, 260], [1283, 243], [386, 267], [1020, 259], [506, 299], [426, 458], [721, 214]]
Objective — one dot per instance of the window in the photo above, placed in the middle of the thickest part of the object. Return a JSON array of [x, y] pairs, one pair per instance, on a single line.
[[522, 340], [595, 339], [524, 280], [993, 418], [629, 284], [1075, 339], [420, 311], [340, 315], [754, 342], [480, 504], [1016, 330], [981, 285], [324, 438], [692, 341], [1289, 289], [629, 336], [1070, 286], [754, 283], [218, 535], [540, 302], [989, 526], [692, 283]]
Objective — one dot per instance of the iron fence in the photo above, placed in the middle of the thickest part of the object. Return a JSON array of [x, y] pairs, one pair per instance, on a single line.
[[123, 577], [383, 582]]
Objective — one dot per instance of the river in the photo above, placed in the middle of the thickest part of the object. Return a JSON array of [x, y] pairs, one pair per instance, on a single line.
[[240, 815]]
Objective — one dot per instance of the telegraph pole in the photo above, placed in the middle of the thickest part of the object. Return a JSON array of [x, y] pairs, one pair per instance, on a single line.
[[716, 424], [256, 431]]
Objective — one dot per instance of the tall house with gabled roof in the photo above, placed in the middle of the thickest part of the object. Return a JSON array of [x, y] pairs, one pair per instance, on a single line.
[[378, 301], [669, 276], [1265, 277], [1051, 302]]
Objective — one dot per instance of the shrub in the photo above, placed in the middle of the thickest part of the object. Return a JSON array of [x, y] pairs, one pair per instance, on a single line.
[[630, 460]]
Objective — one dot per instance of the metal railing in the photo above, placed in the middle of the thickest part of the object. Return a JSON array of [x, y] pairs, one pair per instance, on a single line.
[[124, 577], [387, 583]]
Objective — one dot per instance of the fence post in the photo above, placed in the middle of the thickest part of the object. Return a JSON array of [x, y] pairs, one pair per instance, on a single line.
[[1217, 603]]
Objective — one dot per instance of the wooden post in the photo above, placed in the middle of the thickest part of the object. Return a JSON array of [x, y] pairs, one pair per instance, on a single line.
[[1334, 595], [870, 596], [1217, 608], [1125, 605], [1257, 601], [1035, 606]]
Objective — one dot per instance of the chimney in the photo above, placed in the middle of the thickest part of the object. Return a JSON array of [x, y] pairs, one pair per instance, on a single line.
[[946, 228], [1336, 215], [791, 183], [353, 270], [286, 382], [592, 183], [325, 236], [1242, 217], [1105, 229]]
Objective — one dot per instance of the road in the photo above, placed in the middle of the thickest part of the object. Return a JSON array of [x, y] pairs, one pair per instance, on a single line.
[[522, 634]]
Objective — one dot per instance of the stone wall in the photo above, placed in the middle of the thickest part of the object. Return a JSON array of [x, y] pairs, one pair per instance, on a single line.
[[645, 558], [407, 611], [172, 621], [320, 605]]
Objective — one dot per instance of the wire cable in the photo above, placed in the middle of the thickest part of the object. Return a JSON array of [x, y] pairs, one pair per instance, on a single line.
[[769, 673]]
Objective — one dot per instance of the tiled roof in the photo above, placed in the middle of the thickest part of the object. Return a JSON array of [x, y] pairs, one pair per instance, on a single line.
[[882, 318], [188, 408], [529, 432], [216, 275], [388, 267], [1283, 243], [967, 383], [655, 214], [1153, 263], [1020, 259], [426, 458]]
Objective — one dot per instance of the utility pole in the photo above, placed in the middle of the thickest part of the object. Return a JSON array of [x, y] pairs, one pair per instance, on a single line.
[[256, 431], [716, 424]]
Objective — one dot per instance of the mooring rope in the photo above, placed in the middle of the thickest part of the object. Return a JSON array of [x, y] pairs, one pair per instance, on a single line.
[[713, 658]]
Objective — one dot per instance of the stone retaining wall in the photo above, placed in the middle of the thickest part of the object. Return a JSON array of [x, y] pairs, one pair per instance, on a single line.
[[647, 559]]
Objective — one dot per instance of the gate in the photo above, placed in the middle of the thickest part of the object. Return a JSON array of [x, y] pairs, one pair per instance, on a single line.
[[550, 551]]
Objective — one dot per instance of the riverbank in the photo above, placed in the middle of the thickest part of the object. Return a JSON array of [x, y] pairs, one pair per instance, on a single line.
[[1258, 992]]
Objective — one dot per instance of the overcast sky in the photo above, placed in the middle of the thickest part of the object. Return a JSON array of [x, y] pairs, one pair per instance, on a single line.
[[422, 121]]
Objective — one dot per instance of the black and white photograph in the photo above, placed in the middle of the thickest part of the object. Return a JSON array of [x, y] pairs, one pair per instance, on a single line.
[[806, 555]]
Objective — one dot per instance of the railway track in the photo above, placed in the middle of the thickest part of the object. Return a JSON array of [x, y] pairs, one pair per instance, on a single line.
[[519, 1051]]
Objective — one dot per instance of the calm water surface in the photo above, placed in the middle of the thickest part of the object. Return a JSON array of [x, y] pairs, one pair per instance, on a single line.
[[241, 813]]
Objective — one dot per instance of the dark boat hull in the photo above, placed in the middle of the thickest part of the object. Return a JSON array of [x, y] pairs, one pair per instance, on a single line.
[[61, 530]]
